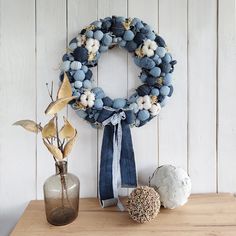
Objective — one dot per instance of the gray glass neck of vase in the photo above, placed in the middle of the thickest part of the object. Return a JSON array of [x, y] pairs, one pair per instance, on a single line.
[[61, 167]]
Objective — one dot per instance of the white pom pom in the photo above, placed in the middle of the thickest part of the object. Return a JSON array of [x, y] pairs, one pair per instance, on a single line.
[[140, 103], [153, 45], [147, 105], [173, 185], [91, 96], [90, 103], [155, 109], [146, 98], [83, 100]]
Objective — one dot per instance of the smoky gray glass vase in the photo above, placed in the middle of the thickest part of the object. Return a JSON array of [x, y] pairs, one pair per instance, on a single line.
[[61, 196]]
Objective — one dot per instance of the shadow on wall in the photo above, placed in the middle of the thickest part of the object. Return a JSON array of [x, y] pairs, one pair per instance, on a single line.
[[9, 218]]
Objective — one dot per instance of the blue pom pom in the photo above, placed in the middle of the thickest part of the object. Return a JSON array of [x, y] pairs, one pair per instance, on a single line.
[[98, 35], [122, 43], [131, 46], [139, 38], [139, 25], [151, 80], [65, 57], [78, 84], [65, 66], [137, 61], [143, 77], [87, 84], [89, 74], [155, 92], [160, 51], [156, 71], [119, 103], [164, 90], [133, 98], [128, 35], [118, 29], [75, 65], [97, 24], [134, 107], [106, 40], [147, 63], [89, 33], [98, 92], [151, 36], [167, 79], [84, 69], [79, 75], [143, 90], [103, 48], [155, 58], [167, 58], [73, 46], [160, 41], [143, 115], [80, 54], [98, 104], [107, 101], [165, 67], [164, 101]]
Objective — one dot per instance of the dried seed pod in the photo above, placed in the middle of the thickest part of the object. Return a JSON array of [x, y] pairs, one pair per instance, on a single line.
[[143, 204]]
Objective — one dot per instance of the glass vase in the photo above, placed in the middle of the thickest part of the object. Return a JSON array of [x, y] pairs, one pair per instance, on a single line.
[[61, 196]]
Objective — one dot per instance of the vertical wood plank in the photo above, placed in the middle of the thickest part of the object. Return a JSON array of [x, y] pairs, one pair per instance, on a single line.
[[112, 68], [202, 94], [83, 159], [226, 92], [173, 118], [17, 93], [51, 44], [145, 139]]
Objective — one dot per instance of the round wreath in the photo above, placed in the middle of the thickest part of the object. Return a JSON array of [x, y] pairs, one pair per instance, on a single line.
[[149, 53]]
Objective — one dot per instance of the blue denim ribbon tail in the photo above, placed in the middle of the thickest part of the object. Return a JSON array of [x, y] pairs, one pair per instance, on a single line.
[[117, 167]]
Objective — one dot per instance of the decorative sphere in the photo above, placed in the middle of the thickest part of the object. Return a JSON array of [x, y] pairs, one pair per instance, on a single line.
[[173, 185], [143, 204]]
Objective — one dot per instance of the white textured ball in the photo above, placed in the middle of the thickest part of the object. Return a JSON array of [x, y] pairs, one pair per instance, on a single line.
[[173, 185]]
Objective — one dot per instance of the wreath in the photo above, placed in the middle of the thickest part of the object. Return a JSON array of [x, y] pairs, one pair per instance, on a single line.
[[150, 53]]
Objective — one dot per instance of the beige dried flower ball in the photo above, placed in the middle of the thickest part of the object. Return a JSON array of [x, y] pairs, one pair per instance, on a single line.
[[143, 204]]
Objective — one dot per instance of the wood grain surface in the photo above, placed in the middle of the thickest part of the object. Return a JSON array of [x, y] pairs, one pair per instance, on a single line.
[[211, 214]]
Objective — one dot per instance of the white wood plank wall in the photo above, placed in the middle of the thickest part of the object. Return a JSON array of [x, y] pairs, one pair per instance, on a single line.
[[196, 130]]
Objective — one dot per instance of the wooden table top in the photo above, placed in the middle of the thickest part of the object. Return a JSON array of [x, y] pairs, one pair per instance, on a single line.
[[206, 214]]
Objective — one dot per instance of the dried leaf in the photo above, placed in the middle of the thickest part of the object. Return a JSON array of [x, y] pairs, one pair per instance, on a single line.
[[69, 145], [65, 89], [55, 151], [67, 131], [49, 130], [56, 106], [29, 125]]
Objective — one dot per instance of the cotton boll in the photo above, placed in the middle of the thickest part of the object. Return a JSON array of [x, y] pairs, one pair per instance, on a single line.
[[173, 185], [90, 103], [155, 109], [147, 105]]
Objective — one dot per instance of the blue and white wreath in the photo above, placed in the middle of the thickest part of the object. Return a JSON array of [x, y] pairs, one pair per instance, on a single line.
[[149, 52]]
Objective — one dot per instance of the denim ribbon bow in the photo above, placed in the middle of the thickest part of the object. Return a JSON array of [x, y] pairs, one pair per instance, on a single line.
[[117, 167]]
